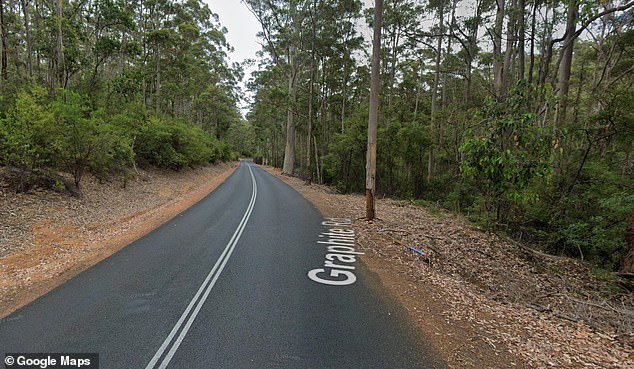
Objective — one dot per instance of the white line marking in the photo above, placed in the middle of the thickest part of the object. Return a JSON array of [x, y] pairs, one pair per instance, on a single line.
[[206, 286]]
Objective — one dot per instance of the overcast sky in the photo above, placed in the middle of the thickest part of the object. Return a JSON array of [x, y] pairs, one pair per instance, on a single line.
[[242, 27]]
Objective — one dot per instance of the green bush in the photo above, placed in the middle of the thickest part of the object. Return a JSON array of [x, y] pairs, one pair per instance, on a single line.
[[344, 166], [506, 155], [174, 145], [116, 154], [66, 133], [591, 222], [82, 142], [26, 131]]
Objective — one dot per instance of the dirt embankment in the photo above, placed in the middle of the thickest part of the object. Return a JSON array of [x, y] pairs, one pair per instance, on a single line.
[[47, 238], [482, 300]]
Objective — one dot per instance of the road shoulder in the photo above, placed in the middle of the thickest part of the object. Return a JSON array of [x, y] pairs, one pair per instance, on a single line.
[[459, 343], [50, 237], [469, 292]]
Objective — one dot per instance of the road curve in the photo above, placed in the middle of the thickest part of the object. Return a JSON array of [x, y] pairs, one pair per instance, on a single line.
[[226, 284]]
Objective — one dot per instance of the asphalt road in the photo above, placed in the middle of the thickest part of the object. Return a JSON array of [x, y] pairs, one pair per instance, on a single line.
[[225, 285]]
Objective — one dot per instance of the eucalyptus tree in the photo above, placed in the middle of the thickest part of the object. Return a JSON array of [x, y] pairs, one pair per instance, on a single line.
[[281, 23], [143, 71], [313, 43], [589, 13], [374, 112]]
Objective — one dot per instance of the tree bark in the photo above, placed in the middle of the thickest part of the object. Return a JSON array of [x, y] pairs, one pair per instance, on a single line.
[[521, 29], [309, 173], [507, 65], [546, 51], [370, 176], [434, 92], [498, 64], [289, 149], [563, 85], [472, 44], [3, 37], [27, 30], [452, 22], [60, 67], [533, 34]]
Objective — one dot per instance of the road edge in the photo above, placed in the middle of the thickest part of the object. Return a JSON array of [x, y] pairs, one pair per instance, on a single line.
[[153, 219], [449, 338]]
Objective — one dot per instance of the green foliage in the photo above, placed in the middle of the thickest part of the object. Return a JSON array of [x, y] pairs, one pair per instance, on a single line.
[[116, 154], [401, 152], [166, 143], [63, 134], [242, 138], [69, 135], [345, 164], [82, 142], [217, 110], [507, 154], [25, 131], [591, 222]]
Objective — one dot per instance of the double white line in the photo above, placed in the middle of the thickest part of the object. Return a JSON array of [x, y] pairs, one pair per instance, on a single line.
[[184, 323]]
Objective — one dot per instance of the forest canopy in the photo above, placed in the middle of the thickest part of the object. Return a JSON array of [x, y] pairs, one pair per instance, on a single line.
[[105, 86], [517, 113]]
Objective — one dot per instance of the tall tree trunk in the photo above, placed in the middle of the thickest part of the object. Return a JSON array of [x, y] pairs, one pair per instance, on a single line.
[[311, 88], [445, 85], [546, 49], [289, 149], [370, 166], [563, 86], [533, 34], [3, 37], [434, 92], [309, 133], [521, 30], [157, 95], [344, 96], [36, 23], [60, 63], [498, 65], [472, 44], [507, 65], [27, 30]]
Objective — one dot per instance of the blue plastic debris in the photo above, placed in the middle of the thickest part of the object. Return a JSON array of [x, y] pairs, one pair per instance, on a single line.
[[419, 252]]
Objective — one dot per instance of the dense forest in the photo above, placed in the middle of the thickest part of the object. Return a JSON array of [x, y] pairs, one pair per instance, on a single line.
[[517, 113], [106, 86]]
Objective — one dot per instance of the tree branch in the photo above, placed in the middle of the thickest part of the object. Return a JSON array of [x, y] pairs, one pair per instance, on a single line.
[[585, 25]]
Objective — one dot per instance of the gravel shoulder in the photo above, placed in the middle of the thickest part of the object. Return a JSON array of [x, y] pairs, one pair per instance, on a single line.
[[48, 237], [482, 300]]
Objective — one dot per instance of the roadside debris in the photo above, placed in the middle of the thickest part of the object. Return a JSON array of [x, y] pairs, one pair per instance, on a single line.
[[483, 300]]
